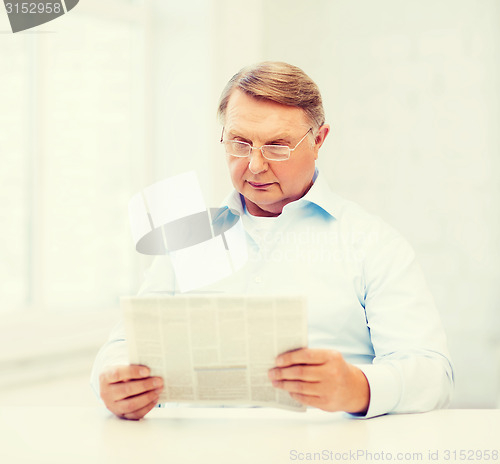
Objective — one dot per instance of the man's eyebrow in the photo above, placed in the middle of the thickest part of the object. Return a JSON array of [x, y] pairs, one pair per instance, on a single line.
[[235, 133], [283, 137]]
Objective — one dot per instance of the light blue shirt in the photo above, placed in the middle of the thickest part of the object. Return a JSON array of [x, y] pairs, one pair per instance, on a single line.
[[367, 297]]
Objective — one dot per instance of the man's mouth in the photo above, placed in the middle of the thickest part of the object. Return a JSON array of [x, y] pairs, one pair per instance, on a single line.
[[259, 185]]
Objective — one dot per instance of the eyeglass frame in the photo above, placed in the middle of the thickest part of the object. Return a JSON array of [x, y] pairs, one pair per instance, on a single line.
[[261, 147]]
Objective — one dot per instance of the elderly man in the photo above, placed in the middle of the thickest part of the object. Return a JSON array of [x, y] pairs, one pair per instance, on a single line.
[[376, 344]]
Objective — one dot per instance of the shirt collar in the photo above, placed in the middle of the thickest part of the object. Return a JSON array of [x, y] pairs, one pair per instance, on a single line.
[[319, 194]]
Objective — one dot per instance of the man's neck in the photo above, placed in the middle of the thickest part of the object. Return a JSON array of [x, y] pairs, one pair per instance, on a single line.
[[256, 210], [273, 210]]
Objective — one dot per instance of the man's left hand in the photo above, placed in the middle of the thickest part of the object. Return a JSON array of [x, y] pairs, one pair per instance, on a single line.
[[322, 379]]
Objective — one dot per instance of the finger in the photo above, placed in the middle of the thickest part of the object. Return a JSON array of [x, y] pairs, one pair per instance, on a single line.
[[132, 388], [303, 356], [140, 413], [296, 386], [123, 373], [135, 403], [298, 372], [308, 400]]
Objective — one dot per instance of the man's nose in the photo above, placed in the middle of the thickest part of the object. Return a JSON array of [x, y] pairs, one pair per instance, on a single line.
[[257, 163]]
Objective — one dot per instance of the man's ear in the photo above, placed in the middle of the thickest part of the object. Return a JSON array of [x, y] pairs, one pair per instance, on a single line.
[[320, 138]]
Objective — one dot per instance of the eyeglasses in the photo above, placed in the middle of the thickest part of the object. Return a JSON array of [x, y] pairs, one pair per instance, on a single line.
[[270, 152]]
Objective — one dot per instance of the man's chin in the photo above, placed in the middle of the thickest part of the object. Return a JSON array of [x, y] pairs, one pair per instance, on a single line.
[[256, 207], [261, 198]]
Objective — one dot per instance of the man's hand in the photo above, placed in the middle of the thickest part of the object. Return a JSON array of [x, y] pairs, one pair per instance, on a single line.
[[323, 379], [129, 392]]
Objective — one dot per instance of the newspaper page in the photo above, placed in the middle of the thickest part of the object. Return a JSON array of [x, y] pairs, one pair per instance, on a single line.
[[215, 349]]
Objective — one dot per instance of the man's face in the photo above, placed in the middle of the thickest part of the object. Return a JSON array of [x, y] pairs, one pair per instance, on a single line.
[[269, 185]]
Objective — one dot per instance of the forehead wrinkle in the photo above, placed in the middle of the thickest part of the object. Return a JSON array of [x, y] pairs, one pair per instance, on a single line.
[[262, 121], [263, 127]]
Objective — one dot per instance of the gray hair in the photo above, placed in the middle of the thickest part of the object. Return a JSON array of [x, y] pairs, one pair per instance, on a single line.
[[278, 82]]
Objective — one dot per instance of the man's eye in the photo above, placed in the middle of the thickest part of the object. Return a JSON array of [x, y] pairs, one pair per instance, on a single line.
[[280, 142]]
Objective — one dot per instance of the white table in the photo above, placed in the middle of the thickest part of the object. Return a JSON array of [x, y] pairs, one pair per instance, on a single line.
[[217, 435]]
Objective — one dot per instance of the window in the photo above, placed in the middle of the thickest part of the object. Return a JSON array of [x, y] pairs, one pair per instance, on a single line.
[[72, 146]]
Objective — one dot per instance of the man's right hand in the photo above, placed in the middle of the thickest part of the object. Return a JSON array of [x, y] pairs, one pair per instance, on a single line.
[[129, 391]]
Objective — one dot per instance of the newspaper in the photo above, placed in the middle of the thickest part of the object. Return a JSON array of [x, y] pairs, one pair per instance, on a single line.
[[215, 349]]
